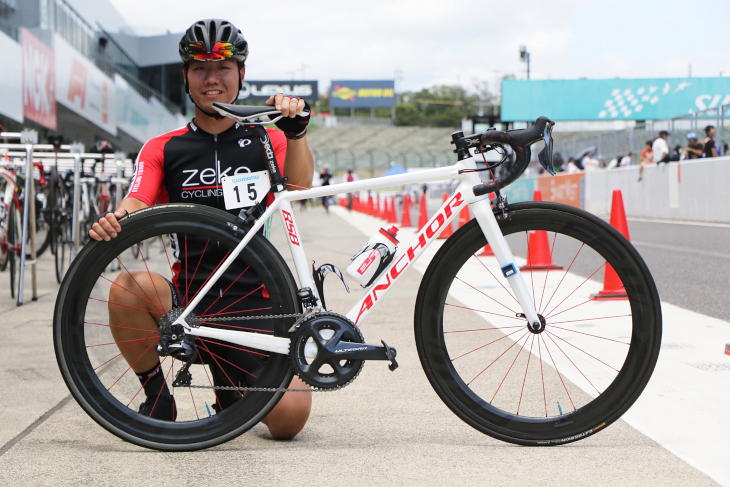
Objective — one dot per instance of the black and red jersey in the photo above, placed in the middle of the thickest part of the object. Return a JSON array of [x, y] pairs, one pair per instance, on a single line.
[[186, 166]]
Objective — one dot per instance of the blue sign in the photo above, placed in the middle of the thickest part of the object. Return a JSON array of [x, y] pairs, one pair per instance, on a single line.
[[366, 94], [611, 99]]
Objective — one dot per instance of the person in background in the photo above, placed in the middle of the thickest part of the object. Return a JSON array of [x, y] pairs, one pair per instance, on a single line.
[[710, 148], [348, 179], [558, 162], [626, 160], [325, 177], [647, 157], [572, 167], [660, 148], [694, 148]]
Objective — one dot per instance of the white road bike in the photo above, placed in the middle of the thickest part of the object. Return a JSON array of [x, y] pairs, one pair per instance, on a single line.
[[515, 345]]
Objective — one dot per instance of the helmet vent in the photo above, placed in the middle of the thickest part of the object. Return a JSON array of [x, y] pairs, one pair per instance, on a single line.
[[213, 38], [199, 33], [226, 33]]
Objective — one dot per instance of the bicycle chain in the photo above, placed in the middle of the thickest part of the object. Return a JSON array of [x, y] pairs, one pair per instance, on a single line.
[[260, 389]]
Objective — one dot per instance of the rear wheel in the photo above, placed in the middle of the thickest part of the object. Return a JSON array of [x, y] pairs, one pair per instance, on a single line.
[[581, 369], [181, 237]]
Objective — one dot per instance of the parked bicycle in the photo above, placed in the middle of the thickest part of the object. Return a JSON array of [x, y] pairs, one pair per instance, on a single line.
[[517, 351]]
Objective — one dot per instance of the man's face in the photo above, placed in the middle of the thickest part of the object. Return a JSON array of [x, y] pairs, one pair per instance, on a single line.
[[213, 81], [665, 136], [712, 132]]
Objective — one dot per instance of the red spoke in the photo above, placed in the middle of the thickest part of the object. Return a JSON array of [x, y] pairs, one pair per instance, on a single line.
[[580, 349], [186, 269], [213, 356], [576, 367], [478, 348], [564, 274], [485, 329], [211, 274], [231, 346], [584, 302], [117, 355], [544, 286], [130, 292], [525, 379], [121, 341], [482, 311], [127, 306], [187, 284], [498, 281], [207, 375], [149, 299], [120, 327], [193, 399], [132, 365], [229, 362], [588, 334], [160, 392], [238, 311], [559, 376], [483, 293], [162, 306], [509, 370], [542, 374], [239, 299], [500, 356], [164, 247], [159, 365], [229, 286], [548, 315]]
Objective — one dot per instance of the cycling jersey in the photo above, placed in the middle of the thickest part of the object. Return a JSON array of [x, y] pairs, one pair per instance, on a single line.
[[186, 166]]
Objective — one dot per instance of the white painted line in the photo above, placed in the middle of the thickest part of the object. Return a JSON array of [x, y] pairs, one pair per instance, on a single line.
[[685, 406]]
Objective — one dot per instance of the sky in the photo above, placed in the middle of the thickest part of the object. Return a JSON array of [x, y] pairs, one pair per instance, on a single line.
[[421, 43]]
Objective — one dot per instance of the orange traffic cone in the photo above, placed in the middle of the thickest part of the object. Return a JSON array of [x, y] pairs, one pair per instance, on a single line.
[[539, 254], [612, 286], [464, 216], [448, 230], [376, 203], [392, 218], [423, 212], [370, 209], [487, 252], [406, 215]]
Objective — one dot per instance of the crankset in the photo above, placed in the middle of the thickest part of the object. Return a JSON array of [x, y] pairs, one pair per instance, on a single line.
[[328, 351]]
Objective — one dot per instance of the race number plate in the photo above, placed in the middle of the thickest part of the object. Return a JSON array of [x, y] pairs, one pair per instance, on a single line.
[[245, 189]]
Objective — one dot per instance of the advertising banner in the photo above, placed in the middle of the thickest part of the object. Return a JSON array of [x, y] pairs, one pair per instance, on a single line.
[[132, 110], [39, 82], [83, 88], [11, 94], [568, 189], [521, 190], [259, 91], [365, 94], [611, 99]]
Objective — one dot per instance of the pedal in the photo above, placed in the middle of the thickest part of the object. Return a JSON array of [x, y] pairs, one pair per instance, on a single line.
[[320, 273], [390, 353]]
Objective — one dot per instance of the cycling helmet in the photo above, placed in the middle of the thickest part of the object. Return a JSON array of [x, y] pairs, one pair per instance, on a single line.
[[213, 40], [691, 136]]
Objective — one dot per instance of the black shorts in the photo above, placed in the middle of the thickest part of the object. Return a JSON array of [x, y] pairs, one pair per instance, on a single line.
[[239, 366]]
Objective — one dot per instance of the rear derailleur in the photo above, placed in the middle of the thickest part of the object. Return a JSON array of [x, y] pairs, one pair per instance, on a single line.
[[176, 344]]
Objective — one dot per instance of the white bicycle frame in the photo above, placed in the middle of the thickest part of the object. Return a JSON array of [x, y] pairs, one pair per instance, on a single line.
[[407, 255]]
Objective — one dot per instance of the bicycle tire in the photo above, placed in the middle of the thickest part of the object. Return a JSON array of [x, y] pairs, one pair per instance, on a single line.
[[445, 342], [89, 389]]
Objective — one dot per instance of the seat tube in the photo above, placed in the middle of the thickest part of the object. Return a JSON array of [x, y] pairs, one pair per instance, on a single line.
[[488, 223], [295, 245]]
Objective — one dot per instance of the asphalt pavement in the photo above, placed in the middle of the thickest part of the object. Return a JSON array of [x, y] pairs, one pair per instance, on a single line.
[[385, 428]]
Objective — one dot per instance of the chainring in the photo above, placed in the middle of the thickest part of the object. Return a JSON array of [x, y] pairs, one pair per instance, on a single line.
[[324, 331]]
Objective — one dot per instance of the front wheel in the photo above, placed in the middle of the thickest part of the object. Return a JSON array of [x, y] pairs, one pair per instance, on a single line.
[[96, 353], [581, 369]]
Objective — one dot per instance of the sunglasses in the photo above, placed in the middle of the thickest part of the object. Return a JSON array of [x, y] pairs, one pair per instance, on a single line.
[[221, 50]]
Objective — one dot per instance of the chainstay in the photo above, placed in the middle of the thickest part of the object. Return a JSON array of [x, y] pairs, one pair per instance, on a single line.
[[257, 317]]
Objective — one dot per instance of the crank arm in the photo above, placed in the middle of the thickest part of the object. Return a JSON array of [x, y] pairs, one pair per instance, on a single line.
[[365, 351]]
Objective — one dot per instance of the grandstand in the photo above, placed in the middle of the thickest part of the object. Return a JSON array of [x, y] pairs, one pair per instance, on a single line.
[[371, 149]]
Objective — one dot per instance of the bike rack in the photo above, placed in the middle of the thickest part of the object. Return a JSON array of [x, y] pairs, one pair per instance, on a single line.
[[25, 148]]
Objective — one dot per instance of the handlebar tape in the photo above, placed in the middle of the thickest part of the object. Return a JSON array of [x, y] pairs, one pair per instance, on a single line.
[[520, 142]]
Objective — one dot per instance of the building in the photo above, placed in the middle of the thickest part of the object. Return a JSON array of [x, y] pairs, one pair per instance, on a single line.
[[76, 68]]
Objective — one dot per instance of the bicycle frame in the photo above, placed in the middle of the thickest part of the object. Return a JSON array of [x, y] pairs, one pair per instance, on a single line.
[[406, 256]]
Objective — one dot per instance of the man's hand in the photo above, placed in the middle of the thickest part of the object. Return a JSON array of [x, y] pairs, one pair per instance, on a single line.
[[289, 107], [107, 227]]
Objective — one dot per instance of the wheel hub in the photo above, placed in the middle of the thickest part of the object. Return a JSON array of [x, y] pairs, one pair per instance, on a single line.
[[537, 327]]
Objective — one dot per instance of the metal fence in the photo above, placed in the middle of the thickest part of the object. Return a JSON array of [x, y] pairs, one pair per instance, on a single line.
[[619, 143]]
